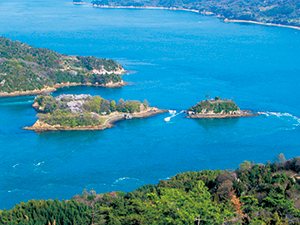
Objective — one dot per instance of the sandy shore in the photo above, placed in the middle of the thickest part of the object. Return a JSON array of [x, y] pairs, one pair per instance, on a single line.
[[61, 85], [260, 23], [40, 126], [145, 7], [222, 115]]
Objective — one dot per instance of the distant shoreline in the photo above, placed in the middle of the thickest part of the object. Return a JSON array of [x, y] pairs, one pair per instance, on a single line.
[[197, 11], [144, 7], [40, 126], [261, 23]]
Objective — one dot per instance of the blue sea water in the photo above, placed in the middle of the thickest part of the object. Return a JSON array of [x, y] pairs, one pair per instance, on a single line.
[[174, 61]]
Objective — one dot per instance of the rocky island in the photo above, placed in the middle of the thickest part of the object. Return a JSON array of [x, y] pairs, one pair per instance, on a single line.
[[26, 70], [217, 108], [84, 112]]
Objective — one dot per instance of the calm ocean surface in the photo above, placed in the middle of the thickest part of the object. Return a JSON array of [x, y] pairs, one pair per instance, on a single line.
[[174, 62]]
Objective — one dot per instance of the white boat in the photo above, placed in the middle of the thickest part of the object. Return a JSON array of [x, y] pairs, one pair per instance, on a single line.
[[167, 119]]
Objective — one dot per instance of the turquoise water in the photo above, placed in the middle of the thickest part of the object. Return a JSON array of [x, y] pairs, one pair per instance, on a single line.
[[174, 62]]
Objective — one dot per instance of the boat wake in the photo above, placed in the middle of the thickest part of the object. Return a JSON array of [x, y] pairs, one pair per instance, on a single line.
[[284, 117], [125, 178], [173, 114]]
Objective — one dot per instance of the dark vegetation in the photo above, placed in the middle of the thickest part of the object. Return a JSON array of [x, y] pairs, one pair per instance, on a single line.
[[216, 105], [81, 110], [23, 68], [252, 194], [270, 11]]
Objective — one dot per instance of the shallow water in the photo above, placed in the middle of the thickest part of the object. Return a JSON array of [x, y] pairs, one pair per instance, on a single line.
[[174, 61]]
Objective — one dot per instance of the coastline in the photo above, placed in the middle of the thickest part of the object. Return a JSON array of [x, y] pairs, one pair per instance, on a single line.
[[61, 85], [197, 11], [40, 126], [47, 89], [144, 7], [222, 115], [261, 23]]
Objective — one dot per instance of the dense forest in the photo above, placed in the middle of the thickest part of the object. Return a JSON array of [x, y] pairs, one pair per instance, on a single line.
[[216, 105], [23, 68], [269, 11], [81, 110], [252, 194]]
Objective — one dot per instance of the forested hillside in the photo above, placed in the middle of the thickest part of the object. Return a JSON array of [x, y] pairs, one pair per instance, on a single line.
[[252, 194], [25, 68], [216, 105], [270, 11]]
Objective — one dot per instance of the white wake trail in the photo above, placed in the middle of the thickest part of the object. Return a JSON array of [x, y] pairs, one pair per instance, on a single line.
[[285, 116], [173, 114]]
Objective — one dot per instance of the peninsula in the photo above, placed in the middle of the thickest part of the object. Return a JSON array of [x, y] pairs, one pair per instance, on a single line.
[[84, 112], [217, 108], [26, 70]]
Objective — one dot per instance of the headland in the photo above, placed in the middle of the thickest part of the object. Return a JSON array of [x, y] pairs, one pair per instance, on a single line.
[[26, 70]]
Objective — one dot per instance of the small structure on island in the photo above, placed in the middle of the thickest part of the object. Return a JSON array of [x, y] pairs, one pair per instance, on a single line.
[[127, 116]]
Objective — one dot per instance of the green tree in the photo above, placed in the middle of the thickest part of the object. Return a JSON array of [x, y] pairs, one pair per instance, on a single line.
[[112, 106]]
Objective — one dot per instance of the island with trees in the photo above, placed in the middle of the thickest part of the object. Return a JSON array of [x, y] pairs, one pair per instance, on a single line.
[[78, 2], [258, 194], [84, 112], [26, 70], [217, 108], [269, 12]]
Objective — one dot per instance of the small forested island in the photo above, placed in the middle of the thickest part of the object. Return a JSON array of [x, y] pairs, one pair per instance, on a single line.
[[217, 108], [26, 70], [258, 194], [84, 112], [78, 2], [268, 12]]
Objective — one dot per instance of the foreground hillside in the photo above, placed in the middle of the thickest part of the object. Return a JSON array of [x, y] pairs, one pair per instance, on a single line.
[[26, 68], [269, 11], [252, 194]]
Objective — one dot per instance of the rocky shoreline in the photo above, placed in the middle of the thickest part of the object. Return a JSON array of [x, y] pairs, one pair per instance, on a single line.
[[40, 126], [61, 85], [212, 115]]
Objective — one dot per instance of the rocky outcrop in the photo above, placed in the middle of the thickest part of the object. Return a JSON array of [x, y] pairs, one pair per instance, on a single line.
[[40, 126]]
